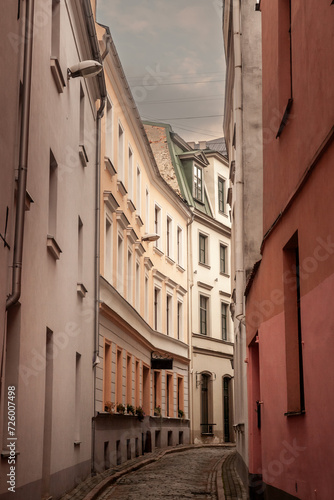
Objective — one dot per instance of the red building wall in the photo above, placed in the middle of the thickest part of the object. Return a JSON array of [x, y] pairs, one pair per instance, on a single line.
[[294, 453]]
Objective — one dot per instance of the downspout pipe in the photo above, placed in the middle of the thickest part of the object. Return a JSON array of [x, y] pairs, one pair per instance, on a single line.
[[23, 158]]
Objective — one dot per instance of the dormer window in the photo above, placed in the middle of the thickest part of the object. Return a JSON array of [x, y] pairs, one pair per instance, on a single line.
[[198, 183]]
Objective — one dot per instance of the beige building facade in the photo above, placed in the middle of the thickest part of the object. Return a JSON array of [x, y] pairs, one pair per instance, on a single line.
[[143, 344]]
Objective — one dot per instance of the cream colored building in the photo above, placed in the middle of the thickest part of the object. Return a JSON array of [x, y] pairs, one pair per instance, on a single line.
[[201, 172], [143, 288]]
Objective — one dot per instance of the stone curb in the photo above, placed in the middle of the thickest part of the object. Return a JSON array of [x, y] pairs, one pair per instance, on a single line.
[[219, 480], [99, 488]]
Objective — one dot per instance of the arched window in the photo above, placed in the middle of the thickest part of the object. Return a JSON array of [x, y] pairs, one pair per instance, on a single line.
[[206, 404]]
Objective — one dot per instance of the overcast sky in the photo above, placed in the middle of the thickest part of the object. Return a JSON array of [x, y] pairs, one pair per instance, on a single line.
[[173, 57]]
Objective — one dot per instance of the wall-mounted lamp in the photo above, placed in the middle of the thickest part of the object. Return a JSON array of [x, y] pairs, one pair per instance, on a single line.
[[85, 69], [150, 237]]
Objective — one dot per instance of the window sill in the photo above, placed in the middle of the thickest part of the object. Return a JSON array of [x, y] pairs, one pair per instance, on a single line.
[[77, 443], [83, 155], [131, 206], [294, 413], [6, 454], [158, 251], [169, 260], [53, 247], [121, 188], [139, 220], [204, 265], [57, 74], [109, 166], [180, 268], [81, 290], [225, 275]]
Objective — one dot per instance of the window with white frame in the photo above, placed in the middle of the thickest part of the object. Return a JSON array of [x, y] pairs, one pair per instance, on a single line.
[[221, 195], [223, 259], [157, 224], [147, 201], [130, 175], [146, 298], [169, 314], [157, 308], [203, 249], [120, 152], [137, 298], [203, 314], [224, 320], [108, 130], [179, 320], [130, 276], [120, 269], [169, 237], [198, 183], [138, 194], [108, 248], [179, 244]]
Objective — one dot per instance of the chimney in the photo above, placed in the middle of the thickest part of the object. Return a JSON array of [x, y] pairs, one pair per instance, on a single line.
[[202, 144]]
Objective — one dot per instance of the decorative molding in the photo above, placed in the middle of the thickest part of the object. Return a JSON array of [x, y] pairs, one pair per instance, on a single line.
[[204, 285], [180, 268], [170, 283], [132, 237], [109, 166], [83, 155], [57, 74], [139, 248], [53, 247], [81, 290], [139, 220], [131, 206], [122, 219], [148, 263], [225, 294], [121, 188], [158, 275], [110, 201], [181, 290]]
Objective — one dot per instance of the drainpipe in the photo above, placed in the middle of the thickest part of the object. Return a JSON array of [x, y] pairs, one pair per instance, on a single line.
[[190, 273], [23, 158], [239, 199]]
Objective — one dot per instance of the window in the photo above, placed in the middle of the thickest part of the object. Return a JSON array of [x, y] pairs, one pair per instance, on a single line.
[[157, 224], [293, 331], [77, 396], [179, 246], [180, 394], [146, 390], [147, 197], [55, 29], [138, 196], [119, 377], [108, 246], [203, 312], [169, 306], [53, 195], [130, 179], [106, 373], [157, 308], [169, 237], [157, 389], [137, 383], [129, 379], [169, 395], [108, 130], [203, 249], [120, 264], [221, 195], [146, 298], [120, 153], [284, 62], [179, 320], [82, 117], [224, 320], [222, 255], [198, 185], [130, 271], [206, 427], [137, 298], [80, 250]]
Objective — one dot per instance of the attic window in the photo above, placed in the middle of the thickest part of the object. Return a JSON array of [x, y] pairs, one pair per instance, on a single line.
[[198, 183]]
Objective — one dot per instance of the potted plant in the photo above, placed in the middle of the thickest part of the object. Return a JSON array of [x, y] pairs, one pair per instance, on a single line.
[[130, 409], [120, 408], [140, 413], [157, 411], [109, 407], [180, 413]]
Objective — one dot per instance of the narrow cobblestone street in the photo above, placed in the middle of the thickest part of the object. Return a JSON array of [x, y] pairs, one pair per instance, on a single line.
[[188, 474]]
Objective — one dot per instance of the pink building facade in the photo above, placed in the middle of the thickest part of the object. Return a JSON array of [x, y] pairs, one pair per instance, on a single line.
[[289, 296]]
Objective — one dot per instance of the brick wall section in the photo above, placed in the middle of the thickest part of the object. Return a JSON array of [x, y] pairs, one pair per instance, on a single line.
[[158, 141]]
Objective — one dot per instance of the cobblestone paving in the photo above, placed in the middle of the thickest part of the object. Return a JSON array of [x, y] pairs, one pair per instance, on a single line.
[[188, 474], [233, 487]]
